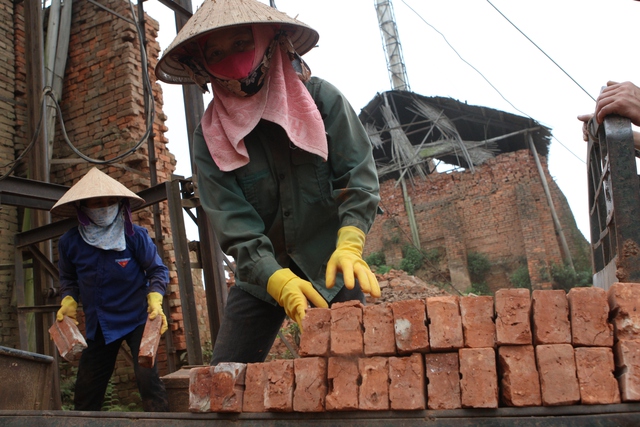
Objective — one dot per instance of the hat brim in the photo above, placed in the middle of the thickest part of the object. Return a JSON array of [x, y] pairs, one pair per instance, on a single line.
[[94, 184], [217, 14]]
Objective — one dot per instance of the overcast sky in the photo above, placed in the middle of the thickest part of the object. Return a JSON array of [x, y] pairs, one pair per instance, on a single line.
[[593, 41]]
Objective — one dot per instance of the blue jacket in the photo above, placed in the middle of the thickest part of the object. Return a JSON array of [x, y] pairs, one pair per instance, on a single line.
[[112, 285]]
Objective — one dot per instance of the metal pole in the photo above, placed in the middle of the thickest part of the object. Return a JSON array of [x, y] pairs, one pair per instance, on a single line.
[[554, 215]]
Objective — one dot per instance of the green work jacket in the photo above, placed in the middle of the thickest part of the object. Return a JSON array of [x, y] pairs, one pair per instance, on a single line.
[[286, 205]]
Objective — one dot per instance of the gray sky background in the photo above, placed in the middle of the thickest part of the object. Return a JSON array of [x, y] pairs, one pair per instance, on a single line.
[[592, 40]]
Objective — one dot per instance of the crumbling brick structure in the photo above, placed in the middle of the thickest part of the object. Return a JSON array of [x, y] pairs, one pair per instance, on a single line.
[[103, 110], [500, 211]]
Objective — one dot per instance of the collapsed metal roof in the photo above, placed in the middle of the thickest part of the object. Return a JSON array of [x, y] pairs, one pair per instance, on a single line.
[[410, 130]]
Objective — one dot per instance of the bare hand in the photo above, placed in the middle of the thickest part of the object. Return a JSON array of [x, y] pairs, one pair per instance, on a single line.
[[622, 99]]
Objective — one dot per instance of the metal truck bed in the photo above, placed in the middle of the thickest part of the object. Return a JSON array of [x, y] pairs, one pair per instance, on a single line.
[[621, 415]]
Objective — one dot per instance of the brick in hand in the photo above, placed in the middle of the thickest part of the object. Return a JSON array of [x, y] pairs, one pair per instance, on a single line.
[[150, 342], [68, 339]]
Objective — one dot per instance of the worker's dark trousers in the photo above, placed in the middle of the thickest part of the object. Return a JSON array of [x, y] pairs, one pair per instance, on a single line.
[[96, 366], [250, 326]]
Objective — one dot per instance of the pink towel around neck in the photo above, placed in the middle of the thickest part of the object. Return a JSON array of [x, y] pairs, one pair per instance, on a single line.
[[283, 100]]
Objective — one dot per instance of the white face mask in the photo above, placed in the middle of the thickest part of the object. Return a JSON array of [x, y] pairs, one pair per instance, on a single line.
[[103, 217]]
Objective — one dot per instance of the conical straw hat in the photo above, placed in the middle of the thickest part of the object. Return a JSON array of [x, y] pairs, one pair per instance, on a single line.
[[215, 14], [94, 184]]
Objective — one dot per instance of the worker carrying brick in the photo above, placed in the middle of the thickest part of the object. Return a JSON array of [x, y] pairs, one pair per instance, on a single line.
[[285, 170], [112, 266]]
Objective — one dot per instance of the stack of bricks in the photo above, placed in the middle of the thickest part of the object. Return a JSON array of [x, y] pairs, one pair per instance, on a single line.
[[517, 349]]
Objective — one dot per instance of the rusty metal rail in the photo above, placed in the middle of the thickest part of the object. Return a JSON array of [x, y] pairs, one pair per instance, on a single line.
[[621, 415], [614, 202]]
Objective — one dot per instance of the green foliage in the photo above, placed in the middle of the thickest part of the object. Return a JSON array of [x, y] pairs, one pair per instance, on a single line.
[[112, 402], [67, 385], [480, 289], [478, 265], [383, 269], [207, 351], [433, 256], [412, 259], [376, 258], [520, 277], [564, 277]]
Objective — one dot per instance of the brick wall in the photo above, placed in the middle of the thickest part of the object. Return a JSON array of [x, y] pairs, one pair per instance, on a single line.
[[8, 216], [103, 110], [500, 211]]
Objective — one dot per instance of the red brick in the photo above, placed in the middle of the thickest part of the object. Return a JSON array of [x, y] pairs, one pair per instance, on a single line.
[[513, 310], [200, 383], [407, 383], [68, 339], [624, 303], [478, 378], [227, 387], [519, 379], [346, 329], [595, 368], [627, 359], [310, 384], [279, 376], [558, 379], [254, 387], [589, 311], [443, 388], [478, 321], [379, 335], [445, 323], [343, 378], [550, 317], [410, 325], [316, 333], [149, 343], [374, 389]]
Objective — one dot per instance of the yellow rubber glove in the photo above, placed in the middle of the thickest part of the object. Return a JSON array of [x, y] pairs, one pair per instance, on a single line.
[[347, 258], [155, 308], [69, 308], [294, 294]]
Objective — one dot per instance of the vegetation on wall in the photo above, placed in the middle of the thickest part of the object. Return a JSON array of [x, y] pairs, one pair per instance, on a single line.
[[564, 277], [479, 267], [520, 277]]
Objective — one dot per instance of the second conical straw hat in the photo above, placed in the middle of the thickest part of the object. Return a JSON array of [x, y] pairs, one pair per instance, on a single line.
[[94, 184], [216, 14]]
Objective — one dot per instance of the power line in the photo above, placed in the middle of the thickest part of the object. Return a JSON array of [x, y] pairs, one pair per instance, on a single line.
[[489, 82], [545, 53]]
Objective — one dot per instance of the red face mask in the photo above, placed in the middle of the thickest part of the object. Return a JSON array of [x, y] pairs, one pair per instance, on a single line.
[[235, 67]]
